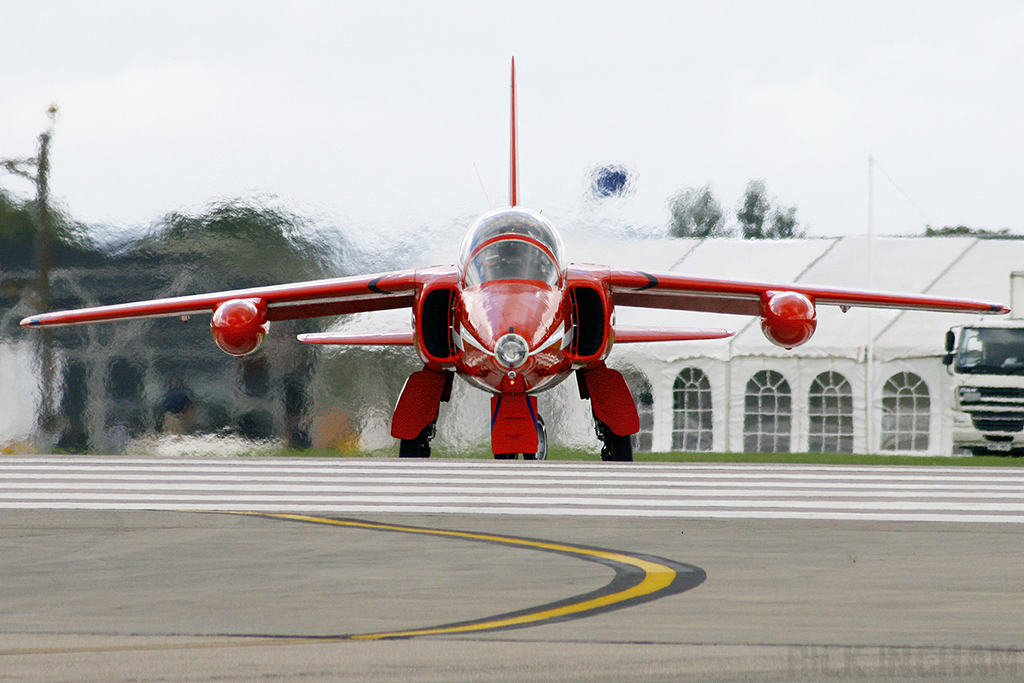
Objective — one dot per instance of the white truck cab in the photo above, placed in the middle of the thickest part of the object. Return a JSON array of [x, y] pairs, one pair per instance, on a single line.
[[986, 362]]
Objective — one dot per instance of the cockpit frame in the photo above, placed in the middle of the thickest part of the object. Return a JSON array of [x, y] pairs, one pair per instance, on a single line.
[[512, 244]]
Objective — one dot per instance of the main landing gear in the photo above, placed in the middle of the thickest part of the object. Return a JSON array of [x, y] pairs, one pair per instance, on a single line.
[[610, 402], [418, 447], [542, 446], [613, 447]]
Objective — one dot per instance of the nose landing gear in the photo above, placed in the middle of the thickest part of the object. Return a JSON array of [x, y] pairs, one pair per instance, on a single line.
[[542, 446]]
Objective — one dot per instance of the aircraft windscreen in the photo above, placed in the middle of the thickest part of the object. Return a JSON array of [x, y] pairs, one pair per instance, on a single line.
[[511, 259], [513, 221]]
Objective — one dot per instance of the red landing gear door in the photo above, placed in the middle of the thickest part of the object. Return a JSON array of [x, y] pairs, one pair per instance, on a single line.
[[611, 400], [418, 404], [513, 424]]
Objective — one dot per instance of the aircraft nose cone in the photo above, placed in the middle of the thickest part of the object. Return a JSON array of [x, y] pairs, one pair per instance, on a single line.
[[512, 350], [522, 310]]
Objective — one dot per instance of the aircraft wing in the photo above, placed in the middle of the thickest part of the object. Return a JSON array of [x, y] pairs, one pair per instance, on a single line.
[[398, 338], [674, 291], [284, 302], [627, 335]]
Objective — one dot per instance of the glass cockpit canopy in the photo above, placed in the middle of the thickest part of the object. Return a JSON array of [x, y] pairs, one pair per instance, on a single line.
[[511, 244]]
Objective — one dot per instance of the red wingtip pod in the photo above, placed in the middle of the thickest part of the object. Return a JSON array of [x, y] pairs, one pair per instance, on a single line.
[[513, 171], [240, 325], [788, 319]]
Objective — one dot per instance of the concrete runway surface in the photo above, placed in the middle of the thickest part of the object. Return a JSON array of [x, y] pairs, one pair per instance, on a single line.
[[137, 595]]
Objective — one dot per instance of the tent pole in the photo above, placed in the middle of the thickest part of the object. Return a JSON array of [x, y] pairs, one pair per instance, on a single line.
[[728, 400], [870, 350]]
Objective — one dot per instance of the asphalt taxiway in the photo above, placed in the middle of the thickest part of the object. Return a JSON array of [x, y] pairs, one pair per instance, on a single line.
[[106, 595]]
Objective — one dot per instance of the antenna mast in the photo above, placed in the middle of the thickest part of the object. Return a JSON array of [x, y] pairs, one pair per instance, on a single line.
[[513, 171]]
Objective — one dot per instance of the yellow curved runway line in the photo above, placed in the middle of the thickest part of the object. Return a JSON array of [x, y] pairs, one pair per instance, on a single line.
[[660, 578]]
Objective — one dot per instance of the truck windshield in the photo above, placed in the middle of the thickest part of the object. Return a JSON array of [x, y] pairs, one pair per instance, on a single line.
[[990, 351]]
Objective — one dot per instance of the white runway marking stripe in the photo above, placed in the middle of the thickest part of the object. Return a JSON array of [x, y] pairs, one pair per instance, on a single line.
[[353, 486]]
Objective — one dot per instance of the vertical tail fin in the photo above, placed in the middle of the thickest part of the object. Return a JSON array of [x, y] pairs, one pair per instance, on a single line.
[[513, 171]]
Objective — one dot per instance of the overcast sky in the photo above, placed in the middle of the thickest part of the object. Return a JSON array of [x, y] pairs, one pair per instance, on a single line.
[[387, 115]]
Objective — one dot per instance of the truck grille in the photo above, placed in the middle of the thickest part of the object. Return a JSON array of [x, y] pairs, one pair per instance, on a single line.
[[1001, 392], [995, 396], [998, 422]]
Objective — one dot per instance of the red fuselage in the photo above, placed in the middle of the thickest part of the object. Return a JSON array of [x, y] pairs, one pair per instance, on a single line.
[[536, 312], [511, 321]]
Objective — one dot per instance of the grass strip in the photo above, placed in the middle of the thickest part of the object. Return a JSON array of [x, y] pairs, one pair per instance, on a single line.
[[557, 453]]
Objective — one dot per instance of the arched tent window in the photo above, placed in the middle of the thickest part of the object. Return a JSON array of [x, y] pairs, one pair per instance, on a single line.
[[768, 414], [906, 413], [830, 408], [640, 388], [692, 421]]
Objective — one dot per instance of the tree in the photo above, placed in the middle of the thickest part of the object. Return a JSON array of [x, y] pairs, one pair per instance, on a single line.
[[19, 229], [696, 213], [784, 225], [964, 231], [250, 242], [753, 210], [761, 218]]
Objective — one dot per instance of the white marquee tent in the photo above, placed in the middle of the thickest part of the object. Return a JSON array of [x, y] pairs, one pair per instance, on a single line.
[[825, 395]]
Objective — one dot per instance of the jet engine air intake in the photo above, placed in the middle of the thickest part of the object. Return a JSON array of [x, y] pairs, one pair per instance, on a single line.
[[788, 319], [239, 326], [588, 312], [435, 319]]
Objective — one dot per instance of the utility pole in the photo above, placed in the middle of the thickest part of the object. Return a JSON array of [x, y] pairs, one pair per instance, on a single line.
[[37, 170]]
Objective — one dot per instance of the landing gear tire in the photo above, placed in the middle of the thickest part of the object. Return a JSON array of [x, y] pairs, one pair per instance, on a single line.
[[542, 443], [418, 447], [614, 448]]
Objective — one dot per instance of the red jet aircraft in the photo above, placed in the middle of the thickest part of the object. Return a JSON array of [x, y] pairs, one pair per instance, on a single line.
[[512, 319]]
